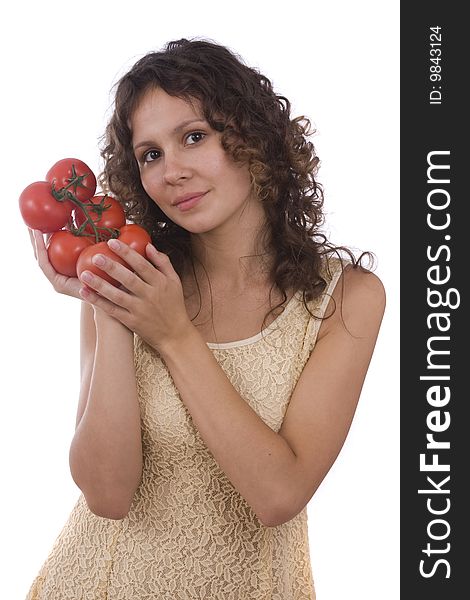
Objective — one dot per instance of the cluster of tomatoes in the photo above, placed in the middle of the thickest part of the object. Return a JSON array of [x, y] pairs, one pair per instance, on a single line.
[[65, 205]]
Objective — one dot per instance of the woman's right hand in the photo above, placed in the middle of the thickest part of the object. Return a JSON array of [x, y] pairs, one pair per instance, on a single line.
[[69, 286]]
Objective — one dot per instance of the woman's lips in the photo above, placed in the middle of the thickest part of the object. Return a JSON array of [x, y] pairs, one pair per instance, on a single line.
[[188, 204]]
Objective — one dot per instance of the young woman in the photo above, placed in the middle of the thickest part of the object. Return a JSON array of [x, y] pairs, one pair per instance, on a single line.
[[219, 381]]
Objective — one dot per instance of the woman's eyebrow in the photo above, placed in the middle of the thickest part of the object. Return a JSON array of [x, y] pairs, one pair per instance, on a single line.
[[177, 129]]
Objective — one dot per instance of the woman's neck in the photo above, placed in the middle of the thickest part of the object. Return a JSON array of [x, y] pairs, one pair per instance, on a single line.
[[232, 264]]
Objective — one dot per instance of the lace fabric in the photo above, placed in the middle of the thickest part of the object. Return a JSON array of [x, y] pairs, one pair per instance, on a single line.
[[189, 534]]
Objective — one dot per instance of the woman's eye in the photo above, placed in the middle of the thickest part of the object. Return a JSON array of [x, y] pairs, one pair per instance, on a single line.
[[191, 139], [150, 156], [196, 136]]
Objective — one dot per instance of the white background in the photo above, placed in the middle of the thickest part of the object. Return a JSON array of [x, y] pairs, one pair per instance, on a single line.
[[338, 64]]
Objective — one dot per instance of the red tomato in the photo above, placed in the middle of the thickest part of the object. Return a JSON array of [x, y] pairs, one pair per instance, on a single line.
[[136, 237], [84, 261], [113, 217], [62, 172], [40, 210], [63, 250]]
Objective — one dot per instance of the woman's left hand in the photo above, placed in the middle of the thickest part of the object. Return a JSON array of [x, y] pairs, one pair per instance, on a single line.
[[150, 301]]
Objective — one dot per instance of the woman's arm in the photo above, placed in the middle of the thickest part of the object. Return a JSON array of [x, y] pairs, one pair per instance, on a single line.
[[87, 356], [325, 398], [276, 473], [106, 450]]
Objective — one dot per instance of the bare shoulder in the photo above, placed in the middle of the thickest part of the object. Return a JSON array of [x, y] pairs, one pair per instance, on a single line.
[[361, 281], [357, 304]]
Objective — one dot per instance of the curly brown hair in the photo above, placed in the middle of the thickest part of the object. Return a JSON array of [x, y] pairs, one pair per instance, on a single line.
[[256, 129]]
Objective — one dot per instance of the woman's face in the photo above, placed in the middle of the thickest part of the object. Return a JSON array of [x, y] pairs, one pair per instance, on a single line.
[[184, 168]]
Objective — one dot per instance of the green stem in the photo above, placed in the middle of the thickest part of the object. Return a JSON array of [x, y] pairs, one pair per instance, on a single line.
[[65, 194]]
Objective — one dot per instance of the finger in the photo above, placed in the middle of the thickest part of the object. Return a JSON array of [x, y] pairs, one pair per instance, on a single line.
[[107, 290], [92, 297], [160, 260], [38, 238], [137, 263], [120, 273], [88, 294], [33, 242], [43, 257], [41, 250]]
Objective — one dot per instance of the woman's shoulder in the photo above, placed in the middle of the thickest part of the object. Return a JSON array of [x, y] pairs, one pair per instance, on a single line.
[[357, 299], [356, 278]]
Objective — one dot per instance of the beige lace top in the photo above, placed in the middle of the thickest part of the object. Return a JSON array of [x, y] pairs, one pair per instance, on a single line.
[[189, 534]]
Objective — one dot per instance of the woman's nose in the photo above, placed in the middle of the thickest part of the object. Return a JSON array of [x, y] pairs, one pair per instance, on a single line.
[[175, 168]]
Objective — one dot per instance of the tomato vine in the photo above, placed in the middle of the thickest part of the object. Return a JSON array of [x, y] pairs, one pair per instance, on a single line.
[[64, 194]]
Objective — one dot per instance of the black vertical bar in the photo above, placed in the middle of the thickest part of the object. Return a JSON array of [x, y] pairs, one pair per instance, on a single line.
[[435, 324]]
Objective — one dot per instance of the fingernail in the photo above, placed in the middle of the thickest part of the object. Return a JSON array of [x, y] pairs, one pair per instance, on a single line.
[[86, 276], [98, 260], [114, 244]]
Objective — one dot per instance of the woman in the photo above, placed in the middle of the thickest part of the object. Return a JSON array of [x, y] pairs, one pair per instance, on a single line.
[[219, 381]]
